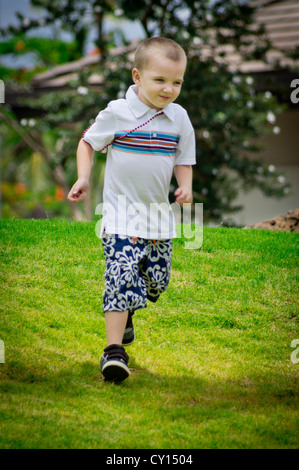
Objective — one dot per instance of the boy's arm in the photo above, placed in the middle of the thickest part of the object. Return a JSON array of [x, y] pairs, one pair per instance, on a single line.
[[183, 193], [84, 162]]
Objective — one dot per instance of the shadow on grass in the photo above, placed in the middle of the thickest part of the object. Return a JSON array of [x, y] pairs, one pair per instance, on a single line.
[[85, 376], [159, 408]]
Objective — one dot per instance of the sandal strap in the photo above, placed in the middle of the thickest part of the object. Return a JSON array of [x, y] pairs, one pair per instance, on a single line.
[[116, 351]]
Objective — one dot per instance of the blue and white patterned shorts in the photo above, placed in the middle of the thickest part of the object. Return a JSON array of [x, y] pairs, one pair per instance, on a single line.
[[137, 270]]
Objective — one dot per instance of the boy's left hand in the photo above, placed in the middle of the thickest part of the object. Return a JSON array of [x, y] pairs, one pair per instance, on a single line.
[[183, 195]]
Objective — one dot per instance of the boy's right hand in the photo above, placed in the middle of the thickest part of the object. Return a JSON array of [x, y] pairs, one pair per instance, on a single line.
[[79, 190]]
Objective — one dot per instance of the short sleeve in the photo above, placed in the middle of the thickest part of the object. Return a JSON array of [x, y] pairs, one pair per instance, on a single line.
[[185, 153], [102, 131]]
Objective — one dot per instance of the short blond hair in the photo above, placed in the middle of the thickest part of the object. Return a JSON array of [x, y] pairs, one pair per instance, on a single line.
[[171, 49]]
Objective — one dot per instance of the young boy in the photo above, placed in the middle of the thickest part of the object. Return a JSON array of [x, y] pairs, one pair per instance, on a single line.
[[151, 137]]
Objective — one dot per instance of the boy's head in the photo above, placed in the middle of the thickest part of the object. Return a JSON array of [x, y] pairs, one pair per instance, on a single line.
[[167, 47], [158, 71]]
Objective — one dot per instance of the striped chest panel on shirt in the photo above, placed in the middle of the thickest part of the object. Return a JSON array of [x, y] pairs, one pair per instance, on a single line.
[[147, 143]]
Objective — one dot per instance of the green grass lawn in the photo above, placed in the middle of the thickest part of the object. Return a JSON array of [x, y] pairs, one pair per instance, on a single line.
[[211, 364]]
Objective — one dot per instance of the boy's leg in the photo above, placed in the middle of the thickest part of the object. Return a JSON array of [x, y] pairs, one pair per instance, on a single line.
[[114, 361], [115, 326], [129, 334], [123, 286], [156, 268]]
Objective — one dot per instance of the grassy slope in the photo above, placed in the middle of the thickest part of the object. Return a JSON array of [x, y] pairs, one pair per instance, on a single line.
[[210, 366]]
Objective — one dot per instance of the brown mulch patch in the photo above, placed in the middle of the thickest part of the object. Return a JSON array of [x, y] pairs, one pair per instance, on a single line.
[[284, 223]]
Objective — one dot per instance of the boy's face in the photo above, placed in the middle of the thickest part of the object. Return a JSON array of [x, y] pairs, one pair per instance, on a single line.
[[160, 81]]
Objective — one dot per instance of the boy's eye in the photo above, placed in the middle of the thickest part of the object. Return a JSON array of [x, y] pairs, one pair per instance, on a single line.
[[161, 80]]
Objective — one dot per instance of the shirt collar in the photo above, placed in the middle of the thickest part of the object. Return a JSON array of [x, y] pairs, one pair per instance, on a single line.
[[139, 108]]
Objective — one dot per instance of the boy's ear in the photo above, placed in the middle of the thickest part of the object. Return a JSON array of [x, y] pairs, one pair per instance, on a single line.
[[136, 76]]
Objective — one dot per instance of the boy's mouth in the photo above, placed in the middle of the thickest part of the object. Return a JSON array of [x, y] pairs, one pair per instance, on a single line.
[[165, 98]]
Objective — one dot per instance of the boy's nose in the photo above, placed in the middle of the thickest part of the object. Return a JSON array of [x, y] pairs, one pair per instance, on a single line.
[[167, 89]]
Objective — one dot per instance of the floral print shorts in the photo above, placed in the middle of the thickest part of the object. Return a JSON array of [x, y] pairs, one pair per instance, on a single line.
[[137, 270]]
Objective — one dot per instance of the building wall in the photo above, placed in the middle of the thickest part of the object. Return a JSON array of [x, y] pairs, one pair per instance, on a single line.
[[281, 150]]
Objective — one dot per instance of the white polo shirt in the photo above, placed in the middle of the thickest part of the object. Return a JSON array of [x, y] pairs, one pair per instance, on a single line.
[[140, 166]]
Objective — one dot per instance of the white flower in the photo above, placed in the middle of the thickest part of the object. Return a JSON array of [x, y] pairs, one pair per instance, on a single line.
[[206, 134], [281, 179], [237, 79], [197, 41], [249, 80], [276, 130], [249, 104], [23, 122], [271, 168], [271, 117], [82, 90]]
